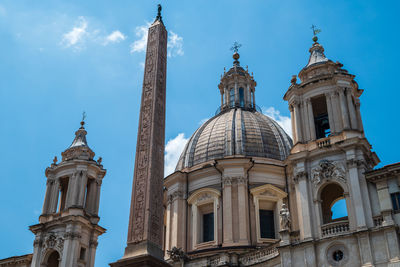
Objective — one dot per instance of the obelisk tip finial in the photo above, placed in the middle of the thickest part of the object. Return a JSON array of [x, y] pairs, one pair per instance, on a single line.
[[159, 17]]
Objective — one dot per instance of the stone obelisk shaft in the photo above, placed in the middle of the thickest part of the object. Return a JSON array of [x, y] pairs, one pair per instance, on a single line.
[[145, 232]]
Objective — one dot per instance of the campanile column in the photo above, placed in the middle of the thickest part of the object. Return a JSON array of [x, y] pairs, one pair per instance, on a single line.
[[311, 119], [344, 109], [352, 111], [145, 231]]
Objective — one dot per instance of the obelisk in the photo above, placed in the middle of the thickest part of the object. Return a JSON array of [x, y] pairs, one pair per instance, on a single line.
[[145, 231]]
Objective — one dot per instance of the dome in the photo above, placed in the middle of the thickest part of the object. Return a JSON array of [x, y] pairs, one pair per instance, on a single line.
[[236, 132]]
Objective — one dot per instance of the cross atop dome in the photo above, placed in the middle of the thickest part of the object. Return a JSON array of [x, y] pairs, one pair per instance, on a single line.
[[235, 49]]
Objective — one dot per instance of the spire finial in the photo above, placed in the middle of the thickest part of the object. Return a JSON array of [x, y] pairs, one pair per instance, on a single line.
[[159, 17], [235, 49], [83, 119], [315, 32]]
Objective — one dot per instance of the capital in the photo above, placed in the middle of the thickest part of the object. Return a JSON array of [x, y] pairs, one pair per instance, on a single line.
[[302, 175]]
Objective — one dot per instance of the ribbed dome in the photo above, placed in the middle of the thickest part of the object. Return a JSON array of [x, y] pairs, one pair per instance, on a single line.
[[236, 132]]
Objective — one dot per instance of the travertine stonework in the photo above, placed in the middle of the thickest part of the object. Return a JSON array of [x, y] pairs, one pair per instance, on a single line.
[[222, 172], [243, 194]]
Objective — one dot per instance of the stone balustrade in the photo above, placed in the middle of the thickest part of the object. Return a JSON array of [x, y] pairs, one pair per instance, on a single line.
[[258, 256], [378, 220], [325, 142], [335, 228]]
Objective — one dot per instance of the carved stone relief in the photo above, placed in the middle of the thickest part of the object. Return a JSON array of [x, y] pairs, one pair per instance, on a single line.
[[327, 170], [53, 241], [150, 145]]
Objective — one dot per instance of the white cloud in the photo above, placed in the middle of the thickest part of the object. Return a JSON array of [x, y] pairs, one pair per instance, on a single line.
[[283, 121], [140, 44], [115, 37], [175, 45], [201, 122], [173, 150], [75, 37]]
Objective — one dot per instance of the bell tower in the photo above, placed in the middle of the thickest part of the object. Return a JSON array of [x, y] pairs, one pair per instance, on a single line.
[[67, 233], [330, 153]]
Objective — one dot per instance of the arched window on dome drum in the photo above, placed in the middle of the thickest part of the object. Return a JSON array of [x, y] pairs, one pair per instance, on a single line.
[[232, 97], [241, 97]]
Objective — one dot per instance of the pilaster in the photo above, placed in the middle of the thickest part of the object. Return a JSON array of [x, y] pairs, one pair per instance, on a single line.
[[311, 119], [243, 211], [344, 109], [227, 210], [352, 110], [299, 135], [303, 205], [354, 181]]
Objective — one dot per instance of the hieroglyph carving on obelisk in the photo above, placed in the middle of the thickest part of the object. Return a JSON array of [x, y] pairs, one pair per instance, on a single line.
[[146, 214]]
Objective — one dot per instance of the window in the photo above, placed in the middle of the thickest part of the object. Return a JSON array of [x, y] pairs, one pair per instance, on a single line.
[[321, 119], [267, 224], [395, 201], [241, 97], [268, 201], [232, 97], [82, 254], [208, 227], [204, 205]]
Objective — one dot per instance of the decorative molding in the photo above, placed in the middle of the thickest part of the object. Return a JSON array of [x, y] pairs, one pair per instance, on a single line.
[[327, 170], [72, 235], [93, 243], [231, 180], [353, 163], [52, 241], [179, 194], [299, 176], [258, 256]]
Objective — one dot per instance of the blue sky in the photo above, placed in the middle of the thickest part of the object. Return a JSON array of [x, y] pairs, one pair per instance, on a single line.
[[60, 58]]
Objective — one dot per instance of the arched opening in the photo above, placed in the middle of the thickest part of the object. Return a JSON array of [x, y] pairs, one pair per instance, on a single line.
[[333, 203], [63, 193], [53, 260], [241, 97]]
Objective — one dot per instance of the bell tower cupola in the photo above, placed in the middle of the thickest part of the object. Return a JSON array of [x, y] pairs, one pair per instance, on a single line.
[[237, 86], [325, 103]]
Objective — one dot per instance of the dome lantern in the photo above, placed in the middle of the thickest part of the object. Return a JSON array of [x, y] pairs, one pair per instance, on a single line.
[[237, 86]]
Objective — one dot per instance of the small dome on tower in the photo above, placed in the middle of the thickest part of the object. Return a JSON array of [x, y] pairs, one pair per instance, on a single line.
[[79, 148]]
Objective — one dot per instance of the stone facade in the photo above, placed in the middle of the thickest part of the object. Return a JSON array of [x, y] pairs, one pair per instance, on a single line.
[[330, 161], [243, 194]]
